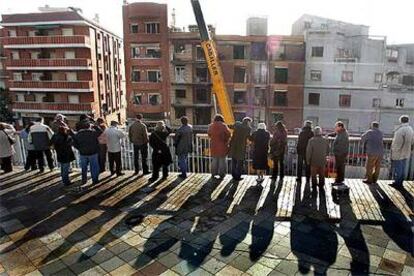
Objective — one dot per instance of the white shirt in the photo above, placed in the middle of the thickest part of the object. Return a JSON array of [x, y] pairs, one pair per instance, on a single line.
[[114, 136]]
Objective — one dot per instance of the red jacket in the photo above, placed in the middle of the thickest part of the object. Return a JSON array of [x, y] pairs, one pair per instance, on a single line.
[[219, 134]]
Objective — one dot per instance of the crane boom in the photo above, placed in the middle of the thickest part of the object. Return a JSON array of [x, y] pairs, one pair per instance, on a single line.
[[213, 64]]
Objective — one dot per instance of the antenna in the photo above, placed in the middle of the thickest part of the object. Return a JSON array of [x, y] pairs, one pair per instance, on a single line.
[[173, 18]]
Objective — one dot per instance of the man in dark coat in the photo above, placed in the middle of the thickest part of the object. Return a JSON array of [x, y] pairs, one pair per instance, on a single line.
[[372, 141], [40, 135], [238, 146], [183, 145], [63, 146], [304, 136], [161, 155], [340, 150]]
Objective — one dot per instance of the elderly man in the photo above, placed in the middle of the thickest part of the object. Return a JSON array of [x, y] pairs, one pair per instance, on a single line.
[[372, 140], [113, 142], [401, 147], [238, 143], [340, 151], [316, 151]]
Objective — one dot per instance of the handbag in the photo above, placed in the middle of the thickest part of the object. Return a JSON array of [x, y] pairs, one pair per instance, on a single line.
[[11, 141]]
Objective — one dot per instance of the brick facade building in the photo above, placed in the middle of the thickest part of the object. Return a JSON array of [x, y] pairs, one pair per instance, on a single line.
[[60, 62]]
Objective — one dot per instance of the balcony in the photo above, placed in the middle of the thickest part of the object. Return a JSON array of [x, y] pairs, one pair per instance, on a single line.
[[65, 108], [69, 86], [45, 41], [49, 64]]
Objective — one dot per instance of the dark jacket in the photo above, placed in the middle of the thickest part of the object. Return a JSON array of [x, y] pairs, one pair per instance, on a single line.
[[303, 140], [86, 141], [63, 146], [316, 151], [161, 152], [138, 134], [278, 144], [238, 141], [260, 139], [341, 143], [183, 140], [373, 142]]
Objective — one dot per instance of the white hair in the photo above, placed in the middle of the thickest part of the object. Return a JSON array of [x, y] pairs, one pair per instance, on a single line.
[[261, 126]]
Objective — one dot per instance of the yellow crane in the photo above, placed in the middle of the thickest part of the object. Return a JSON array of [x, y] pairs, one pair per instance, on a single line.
[[213, 64]]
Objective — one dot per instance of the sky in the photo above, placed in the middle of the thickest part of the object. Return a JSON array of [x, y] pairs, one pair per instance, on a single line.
[[394, 19]]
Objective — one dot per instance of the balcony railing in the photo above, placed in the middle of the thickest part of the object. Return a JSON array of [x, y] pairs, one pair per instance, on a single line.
[[200, 160], [33, 40], [58, 107], [52, 84], [79, 62]]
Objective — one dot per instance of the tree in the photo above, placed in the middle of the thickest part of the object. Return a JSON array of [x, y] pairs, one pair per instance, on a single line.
[[5, 114]]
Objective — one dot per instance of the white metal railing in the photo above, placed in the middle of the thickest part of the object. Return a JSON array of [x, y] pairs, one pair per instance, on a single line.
[[200, 160]]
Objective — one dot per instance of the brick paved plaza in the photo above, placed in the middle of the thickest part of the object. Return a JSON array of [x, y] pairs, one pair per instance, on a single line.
[[202, 226]]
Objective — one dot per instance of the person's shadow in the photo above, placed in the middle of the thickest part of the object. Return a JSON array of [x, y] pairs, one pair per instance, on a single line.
[[313, 240]]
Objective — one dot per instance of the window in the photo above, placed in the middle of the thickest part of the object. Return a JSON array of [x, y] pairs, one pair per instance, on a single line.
[[180, 74], [74, 99], [138, 98], [154, 76], [71, 76], [376, 102], [313, 98], [179, 48], [135, 75], [347, 76], [134, 28], [37, 76], [408, 80], [260, 72], [345, 100], [15, 55], [240, 75], [17, 77], [152, 52], [313, 119], [200, 53], [399, 103], [12, 33], [345, 121], [238, 52], [29, 97], [201, 95], [134, 51], [70, 54], [202, 74], [154, 99], [317, 51], [392, 54], [281, 75], [32, 33], [180, 93], [258, 51], [259, 96], [48, 98], [239, 97], [280, 98], [316, 75], [179, 112], [378, 77], [152, 28], [34, 55], [67, 31], [277, 117]]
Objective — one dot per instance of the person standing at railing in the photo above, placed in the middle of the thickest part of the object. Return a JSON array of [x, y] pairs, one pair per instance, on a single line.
[[6, 149], [60, 120], [31, 153], [219, 135], [238, 142], [372, 141], [113, 138], [161, 155], [304, 136], [138, 136], [278, 146], [40, 135], [183, 142], [401, 149], [101, 127], [62, 143], [86, 141], [260, 139], [340, 151], [316, 152]]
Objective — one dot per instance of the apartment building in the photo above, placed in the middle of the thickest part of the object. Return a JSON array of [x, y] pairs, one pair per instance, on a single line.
[[352, 76], [146, 60], [3, 73], [60, 62]]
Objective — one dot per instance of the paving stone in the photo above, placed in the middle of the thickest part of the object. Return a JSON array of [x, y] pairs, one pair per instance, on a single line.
[[83, 266], [213, 265], [169, 272], [183, 268], [52, 267], [407, 271], [155, 268], [229, 270], [102, 256], [65, 272], [288, 268], [112, 264], [390, 266], [124, 270], [170, 260], [119, 248], [259, 269], [34, 273], [200, 272], [96, 271], [129, 254], [242, 263], [394, 256]]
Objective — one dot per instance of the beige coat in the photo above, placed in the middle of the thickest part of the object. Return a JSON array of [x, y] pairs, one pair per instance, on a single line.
[[6, 149], [402, 142]]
